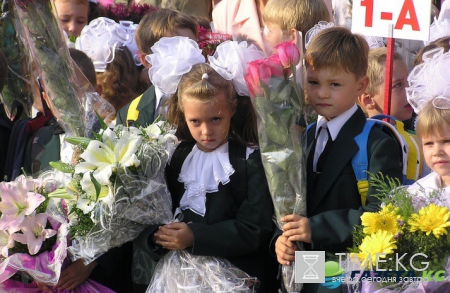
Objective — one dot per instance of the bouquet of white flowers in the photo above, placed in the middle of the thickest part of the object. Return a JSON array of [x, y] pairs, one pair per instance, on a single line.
[[117, 188]]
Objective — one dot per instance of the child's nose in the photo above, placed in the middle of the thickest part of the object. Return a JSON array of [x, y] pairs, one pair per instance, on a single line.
[[323, 93], [206, 129]]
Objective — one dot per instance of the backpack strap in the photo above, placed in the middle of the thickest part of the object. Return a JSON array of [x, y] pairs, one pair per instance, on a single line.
[[411, 151], [360, 160], [133, 112]]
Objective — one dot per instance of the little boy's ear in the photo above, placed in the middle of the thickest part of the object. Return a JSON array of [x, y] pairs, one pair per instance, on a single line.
[[366, 101], [293, 35]]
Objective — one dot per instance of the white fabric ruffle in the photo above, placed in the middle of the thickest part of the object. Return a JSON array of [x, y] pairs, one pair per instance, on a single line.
[[426, 186], [201, 173]]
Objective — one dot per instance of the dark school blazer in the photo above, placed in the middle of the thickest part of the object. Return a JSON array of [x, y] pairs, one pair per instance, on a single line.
[[334, 204], [238, 233], [146, 107]]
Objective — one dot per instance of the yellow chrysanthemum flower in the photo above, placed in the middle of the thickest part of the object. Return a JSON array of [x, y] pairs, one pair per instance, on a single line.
[[379, 242], [431, 218], [386, 220]]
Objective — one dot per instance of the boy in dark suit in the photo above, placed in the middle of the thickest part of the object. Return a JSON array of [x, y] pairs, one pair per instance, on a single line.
[[154, 25], [336, 65]]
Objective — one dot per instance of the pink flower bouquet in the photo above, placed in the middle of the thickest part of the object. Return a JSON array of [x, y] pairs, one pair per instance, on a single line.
[[33, 231], [278, 101]]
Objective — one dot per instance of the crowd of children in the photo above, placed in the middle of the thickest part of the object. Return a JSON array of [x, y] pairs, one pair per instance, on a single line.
[[216, 176]]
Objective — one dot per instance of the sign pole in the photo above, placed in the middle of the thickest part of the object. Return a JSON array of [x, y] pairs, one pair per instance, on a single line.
[[388, 72]]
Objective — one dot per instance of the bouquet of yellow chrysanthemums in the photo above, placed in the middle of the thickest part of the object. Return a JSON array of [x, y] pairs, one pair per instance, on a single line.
[[408, 236]]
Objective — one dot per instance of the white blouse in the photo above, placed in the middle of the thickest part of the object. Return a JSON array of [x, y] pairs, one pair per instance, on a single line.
[[424, 187], [201, 173]]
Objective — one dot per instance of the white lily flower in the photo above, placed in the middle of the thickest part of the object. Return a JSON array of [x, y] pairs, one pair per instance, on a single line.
[[105, 157], [88, 199]]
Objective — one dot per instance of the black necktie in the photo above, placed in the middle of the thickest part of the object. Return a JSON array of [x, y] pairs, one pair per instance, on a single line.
[[324, 154]]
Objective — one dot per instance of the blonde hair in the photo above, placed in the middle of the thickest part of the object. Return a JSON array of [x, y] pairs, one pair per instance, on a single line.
[[301, 15], [155, 25], [203, 84], [430, 121], [376, 68], [338, 48]]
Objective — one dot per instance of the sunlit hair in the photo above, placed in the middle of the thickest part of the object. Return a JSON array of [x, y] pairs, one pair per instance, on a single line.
[[339, 49], [294, 14], [155, 25], [431, 120], [84, 2], [439, 43], [377, 67], [195, 86], [120, 79]]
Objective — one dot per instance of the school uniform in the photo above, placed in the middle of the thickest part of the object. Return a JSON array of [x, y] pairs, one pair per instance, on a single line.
[[334, 204], [146, 108], [239, 232]]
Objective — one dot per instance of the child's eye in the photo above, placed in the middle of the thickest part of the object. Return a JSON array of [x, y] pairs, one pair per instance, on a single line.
[[335, 84], [64, 20], [215, 119], [81, 22], [397, 85], [428, 143], [194, 121], [312, 82]]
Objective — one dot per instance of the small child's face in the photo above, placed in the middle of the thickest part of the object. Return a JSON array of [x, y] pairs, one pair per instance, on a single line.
[[331, 92], [273, 35], [208, 123], [72, 16], [400, 108], [436, 151]]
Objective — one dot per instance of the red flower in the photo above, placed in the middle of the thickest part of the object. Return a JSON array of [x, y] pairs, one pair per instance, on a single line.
[[258, 76], [289, 54], [276, 68]]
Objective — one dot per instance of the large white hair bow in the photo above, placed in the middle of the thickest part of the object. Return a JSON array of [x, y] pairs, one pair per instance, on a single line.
[[430, 81], [441, 26], [231, 60], [100, 38], [171, 58], [175, 56]]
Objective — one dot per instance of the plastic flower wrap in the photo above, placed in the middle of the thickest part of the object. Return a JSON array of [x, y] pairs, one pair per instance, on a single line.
[[46, 45], [408, 223], [17, 87], [278, 101], [117, 188], [180, 271], [33, 230]]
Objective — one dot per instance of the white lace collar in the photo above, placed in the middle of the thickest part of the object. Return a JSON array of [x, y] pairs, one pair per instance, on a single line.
[[201, 173]]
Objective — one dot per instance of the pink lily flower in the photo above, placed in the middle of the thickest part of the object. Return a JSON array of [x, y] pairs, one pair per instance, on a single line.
[[17, 202], [34, 232], [6, 241]]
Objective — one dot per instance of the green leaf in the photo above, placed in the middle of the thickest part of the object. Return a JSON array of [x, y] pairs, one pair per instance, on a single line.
[[102, 122], [97, 186], [60, 193], [63, 167], [80, 141]]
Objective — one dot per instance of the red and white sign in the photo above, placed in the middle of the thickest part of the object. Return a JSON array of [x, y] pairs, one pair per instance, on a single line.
[[410, 19]]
